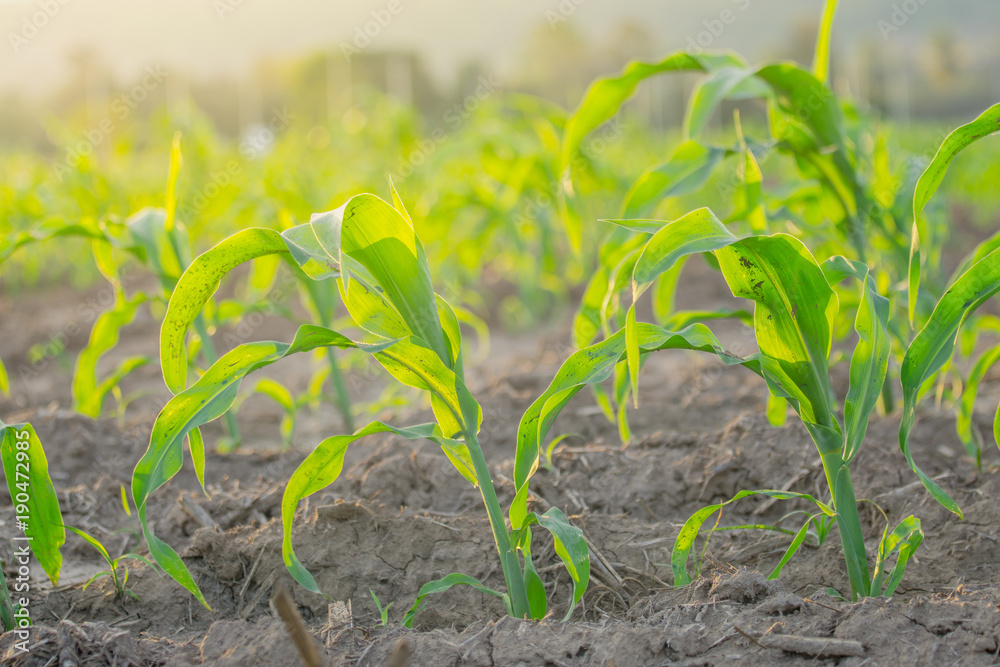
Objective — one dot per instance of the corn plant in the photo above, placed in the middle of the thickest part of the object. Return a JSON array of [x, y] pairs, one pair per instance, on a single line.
[[383, 279], [845, 199], [794, 312], [118, 581], [38, 518], [975, 282], [161, 244], [383, 612]]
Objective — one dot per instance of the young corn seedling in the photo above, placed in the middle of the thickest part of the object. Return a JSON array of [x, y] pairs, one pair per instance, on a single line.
[[383, 279], [37, 518], [120, 581], [383, 612], [159, 242], [794, 311]]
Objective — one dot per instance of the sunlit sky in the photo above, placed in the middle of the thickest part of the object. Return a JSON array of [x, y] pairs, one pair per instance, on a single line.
[[211, 37]]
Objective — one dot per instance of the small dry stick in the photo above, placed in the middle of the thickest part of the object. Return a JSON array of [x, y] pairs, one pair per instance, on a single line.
[[816, 646], [198, 513], [748, 636], [296, 627]]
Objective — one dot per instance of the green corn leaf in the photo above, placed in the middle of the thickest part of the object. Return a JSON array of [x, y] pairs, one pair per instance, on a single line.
[[571, 547], [321, 468], [903, 540], [756, 212], [4, 380], [368, 239], [121, 370], [684, 318], [165, 250], [92, 541], [980, 251], [214, 393], [821, 60], [793, 317], [708, 94], [605, 96], [987, 123], [996, 426], [416, 365], [199, 282], [777, 410], [196, 446], [534, 586], [665, 294], [593, 365], [397, 203], [804, 97], [440, 586], [807, 119], [172, 174], [692, 527], [870, 361], [698, 231], [277, 392], [616, 257], [963, 419], [33, 495], [209, 398], [933, 347], [259, 283], [283, 397], [632, 352], [622, 388], [685, 171], [87, 399], [602, 101], [792, 549], [86, 228]]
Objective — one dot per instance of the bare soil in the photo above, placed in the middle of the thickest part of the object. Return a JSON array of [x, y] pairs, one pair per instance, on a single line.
[[401, 515]]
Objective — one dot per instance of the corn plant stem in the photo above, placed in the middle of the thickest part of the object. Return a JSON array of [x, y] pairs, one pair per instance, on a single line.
[[508, 558], [340, 397], [888, 399], [341, 400], [339, 390], [848, 520], [852, 540], [854, 232], [210, 355]]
